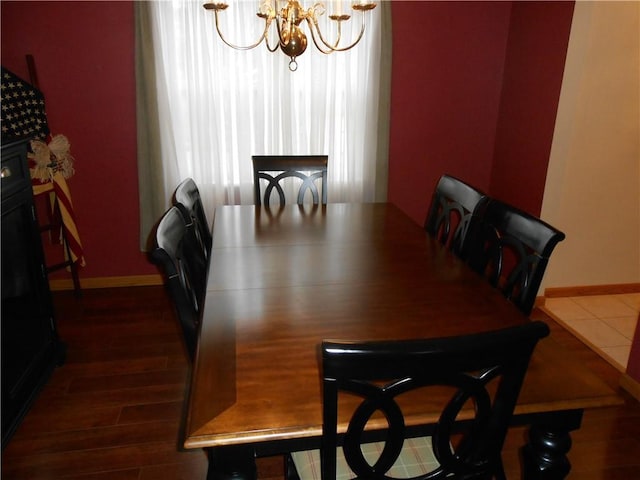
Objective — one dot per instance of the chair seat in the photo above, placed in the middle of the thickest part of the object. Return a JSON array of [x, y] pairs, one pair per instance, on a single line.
[[415, 459]]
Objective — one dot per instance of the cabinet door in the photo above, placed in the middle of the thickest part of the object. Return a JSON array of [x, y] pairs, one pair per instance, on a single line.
[[28, 333], [30, 346]]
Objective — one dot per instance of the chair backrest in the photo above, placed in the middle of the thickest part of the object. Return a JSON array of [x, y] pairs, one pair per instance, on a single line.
[[511, 248], [185, 278], [187, 197], [274, 168], [452, 206], [485, 370]]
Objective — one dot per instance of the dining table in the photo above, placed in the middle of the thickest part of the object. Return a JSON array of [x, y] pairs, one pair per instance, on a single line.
[[282, 279]]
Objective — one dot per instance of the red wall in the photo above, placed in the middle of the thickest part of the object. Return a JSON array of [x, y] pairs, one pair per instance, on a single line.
[[84, 54], [536, 53], [475, 96], [448, 61]]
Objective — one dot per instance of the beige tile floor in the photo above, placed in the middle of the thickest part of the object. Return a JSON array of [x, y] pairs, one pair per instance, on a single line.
[[604, 322]]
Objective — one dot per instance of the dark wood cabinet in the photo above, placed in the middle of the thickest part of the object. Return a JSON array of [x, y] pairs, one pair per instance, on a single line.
[[31, 348]]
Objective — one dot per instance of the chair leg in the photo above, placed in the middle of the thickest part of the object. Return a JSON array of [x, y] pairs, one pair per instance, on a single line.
[[500, 475], [232, 463], [290, 472]]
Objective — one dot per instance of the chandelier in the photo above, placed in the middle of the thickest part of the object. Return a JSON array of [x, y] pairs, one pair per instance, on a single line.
[[288, 16]]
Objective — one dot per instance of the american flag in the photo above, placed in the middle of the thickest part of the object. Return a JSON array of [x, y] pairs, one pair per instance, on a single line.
[[23, 112], [24, 116]]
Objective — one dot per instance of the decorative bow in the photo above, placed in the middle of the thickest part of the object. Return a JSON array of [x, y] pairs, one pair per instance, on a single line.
[[51, 158]]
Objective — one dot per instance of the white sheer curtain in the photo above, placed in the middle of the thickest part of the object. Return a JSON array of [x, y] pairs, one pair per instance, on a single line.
[[218, 106]]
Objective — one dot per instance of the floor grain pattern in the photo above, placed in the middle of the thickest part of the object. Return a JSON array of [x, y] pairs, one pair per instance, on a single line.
[[113, 411]]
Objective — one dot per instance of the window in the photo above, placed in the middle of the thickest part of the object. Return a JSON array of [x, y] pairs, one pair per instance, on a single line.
[[216, 106]]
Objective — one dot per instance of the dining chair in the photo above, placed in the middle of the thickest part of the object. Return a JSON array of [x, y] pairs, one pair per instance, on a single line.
[[511, 249], [185, 279], [474, 379], [452, 205], [187, 198], [309, 169]]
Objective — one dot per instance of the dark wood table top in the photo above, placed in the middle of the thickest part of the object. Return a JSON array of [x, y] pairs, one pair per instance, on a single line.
[[281, 282]]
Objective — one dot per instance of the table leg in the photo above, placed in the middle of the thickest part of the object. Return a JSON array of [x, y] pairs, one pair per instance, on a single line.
[[545, 456], [234, 462]]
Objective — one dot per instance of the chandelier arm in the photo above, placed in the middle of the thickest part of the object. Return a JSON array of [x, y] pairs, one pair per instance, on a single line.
[[318, 45], [281, 40], [269, 47], [278, 29], [237, 47], [328, 45], [338, 36]]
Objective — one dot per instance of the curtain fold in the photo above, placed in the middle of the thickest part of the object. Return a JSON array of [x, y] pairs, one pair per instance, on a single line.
[[150, 175], [384, 103], [204, 108]]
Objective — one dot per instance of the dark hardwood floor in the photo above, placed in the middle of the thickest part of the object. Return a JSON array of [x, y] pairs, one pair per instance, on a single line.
[[113, 410]]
